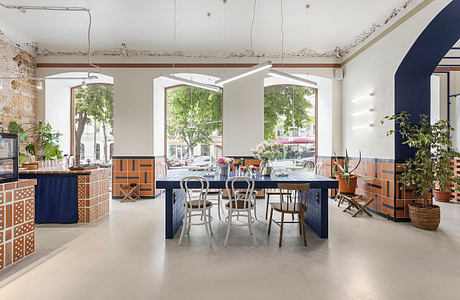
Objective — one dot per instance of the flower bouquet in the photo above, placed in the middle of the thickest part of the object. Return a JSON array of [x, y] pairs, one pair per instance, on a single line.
[[225, 164], [248, 170], [264, 151]]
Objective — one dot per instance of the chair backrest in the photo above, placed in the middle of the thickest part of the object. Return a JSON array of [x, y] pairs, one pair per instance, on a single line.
[[244, 185], [198, 182], [318, 167], [292, 194]]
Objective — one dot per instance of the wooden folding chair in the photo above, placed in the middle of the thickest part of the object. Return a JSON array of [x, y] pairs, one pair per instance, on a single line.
[[130, 192], [359, 202]]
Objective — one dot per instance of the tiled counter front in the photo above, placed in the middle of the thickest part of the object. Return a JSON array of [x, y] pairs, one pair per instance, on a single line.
[[17, 226], [93, 195], [141, 170], [389, 200]]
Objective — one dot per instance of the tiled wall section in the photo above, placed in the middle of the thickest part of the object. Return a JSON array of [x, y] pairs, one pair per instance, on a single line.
[[383, 186], [93, 195], [17, 226], [140, 170], [455, 195]]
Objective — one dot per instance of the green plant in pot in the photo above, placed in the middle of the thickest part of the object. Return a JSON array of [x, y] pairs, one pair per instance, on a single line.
[[40, 141], [428, 167], [345, 175]]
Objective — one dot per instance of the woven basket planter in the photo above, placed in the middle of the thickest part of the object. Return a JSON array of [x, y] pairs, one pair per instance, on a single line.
[[426, 218]]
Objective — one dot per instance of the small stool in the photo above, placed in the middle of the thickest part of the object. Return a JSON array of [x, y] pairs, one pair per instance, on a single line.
[[130, 192], [356, 201]]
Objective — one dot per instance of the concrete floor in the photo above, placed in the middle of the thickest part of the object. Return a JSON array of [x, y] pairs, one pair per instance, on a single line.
[[124, 256]]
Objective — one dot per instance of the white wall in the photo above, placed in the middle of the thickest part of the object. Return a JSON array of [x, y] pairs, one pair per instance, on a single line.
[[243, 114], [435, 102], [375, 69]]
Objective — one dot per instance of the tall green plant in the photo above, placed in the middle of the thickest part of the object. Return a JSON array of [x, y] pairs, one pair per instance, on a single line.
[[430, 163], [345, 169], [44, 144]]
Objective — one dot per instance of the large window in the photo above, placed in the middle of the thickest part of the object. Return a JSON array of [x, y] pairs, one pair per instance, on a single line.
[[194, 126], [290, 119], [92, 130]]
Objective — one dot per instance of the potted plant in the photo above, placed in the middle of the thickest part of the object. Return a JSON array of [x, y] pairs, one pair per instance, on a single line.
[[346, 177], [39, 141], [429, 166]]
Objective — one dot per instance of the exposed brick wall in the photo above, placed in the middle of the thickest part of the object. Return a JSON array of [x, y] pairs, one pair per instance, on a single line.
[[17, 98]]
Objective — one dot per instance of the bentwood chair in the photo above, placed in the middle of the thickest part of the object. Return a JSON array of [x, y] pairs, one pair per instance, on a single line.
[[318, 168], [164, 169], [196, 205], [239, 204], [285, 206], [217, 194]]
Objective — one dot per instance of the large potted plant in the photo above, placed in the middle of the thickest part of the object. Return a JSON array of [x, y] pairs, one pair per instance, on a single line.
[[429, 166], [345, 175]]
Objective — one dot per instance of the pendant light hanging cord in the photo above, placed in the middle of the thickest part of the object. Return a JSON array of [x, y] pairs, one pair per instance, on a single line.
[[252, 26], [24, 8], [282, 35]]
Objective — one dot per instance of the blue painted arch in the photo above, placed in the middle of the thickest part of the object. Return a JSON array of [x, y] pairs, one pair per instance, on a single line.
[[412, 79]]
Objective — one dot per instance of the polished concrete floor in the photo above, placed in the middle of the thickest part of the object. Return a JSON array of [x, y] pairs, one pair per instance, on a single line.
[[124, 256]]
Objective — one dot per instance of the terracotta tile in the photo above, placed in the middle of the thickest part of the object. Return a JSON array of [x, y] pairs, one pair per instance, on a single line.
[[8, 234], [2, 198], [27, 182], [8, 196], [1, 237], [29, 209], [29, 246], [24, 228], [18, 249], [24, 193], [18, 212], [10, 186], [2, 257], [8, 215], [8, 253], [81, 191]]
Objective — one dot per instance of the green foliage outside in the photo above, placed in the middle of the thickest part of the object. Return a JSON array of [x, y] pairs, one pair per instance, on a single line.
[[44, 143], [93, 103], [433, 147], [286, 106], [193, 115]]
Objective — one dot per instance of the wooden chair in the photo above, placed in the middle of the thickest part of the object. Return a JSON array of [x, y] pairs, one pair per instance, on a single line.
[[130, 192], [239, 204], [284, 206], [199, 204]]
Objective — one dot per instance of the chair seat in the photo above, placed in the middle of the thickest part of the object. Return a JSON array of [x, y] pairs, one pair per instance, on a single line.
[[292, 208], [276, 193], [244, 192], [197, 204], [239, 204], [212, 192]]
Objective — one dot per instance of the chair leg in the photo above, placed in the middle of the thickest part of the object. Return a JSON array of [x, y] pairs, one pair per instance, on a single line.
[[255, 206], [205, 216], [303, 229], [266, 206], [218, 206], [209, 221], [270, 222], [189, 222], [229, 225], [281, 230], [300, 224], [184, 224], [251, 228]]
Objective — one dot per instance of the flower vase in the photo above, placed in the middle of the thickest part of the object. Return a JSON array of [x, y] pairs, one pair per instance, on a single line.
[[223, 170], [265, 168]]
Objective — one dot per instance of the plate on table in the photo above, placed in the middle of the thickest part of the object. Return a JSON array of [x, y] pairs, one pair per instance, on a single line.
[[282, 174], [209, 174]]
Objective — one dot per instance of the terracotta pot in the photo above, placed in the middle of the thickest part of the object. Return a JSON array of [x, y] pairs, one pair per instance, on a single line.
[[441, 196], [426, 218], [347, 189]]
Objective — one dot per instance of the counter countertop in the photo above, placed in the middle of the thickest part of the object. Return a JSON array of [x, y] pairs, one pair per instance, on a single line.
[[58, 171]]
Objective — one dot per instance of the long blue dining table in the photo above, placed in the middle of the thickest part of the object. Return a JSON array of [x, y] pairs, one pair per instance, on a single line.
[[316, 216]]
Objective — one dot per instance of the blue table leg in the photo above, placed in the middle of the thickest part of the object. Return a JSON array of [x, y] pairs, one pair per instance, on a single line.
[[174, 212], [316, 216]]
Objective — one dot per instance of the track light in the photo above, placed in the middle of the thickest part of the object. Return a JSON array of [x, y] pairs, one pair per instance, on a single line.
[[299, 80], [370, 94], [255, 69], [83, 84], [39, 85], [370, 110], [191, 82]]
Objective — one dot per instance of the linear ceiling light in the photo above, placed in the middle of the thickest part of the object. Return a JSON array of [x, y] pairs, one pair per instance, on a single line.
[[244, 73], [299, 80], [191, 82]]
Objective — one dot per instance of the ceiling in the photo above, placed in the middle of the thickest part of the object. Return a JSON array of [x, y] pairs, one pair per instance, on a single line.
[[148, 25]]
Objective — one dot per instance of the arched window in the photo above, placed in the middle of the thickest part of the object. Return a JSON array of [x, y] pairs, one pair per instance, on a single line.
[[98, 151], [82, 151]]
